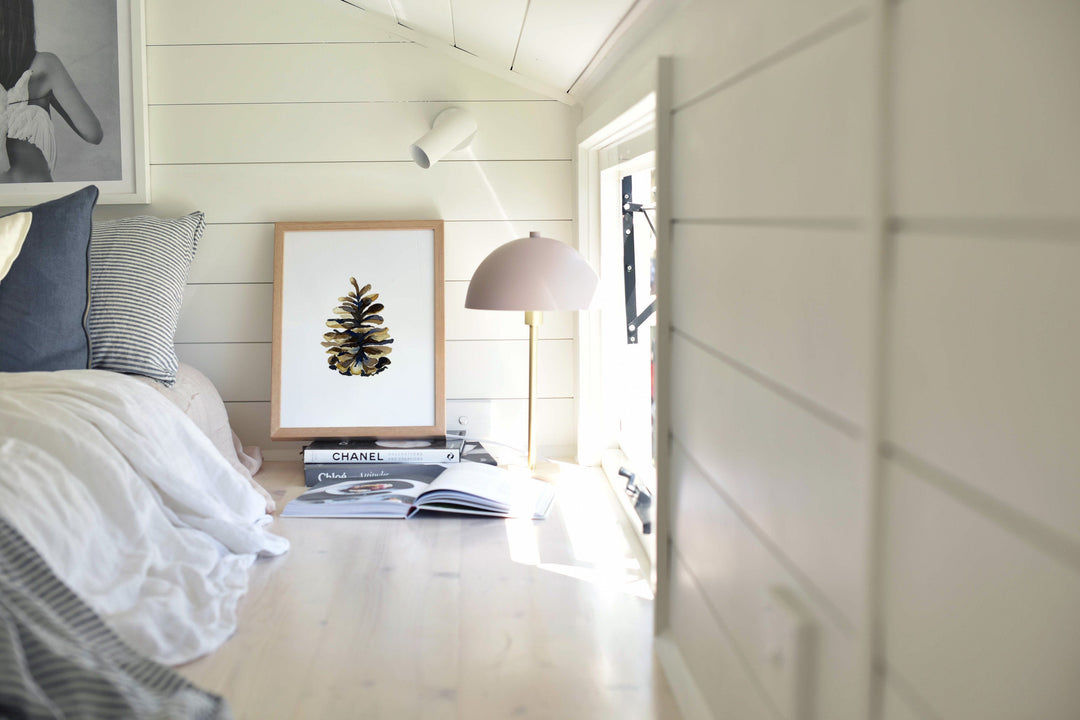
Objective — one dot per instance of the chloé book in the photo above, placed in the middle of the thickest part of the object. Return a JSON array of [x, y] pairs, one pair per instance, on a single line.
[[402, 490]]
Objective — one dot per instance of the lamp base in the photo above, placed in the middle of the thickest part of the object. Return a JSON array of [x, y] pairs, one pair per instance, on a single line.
[[545, 470]]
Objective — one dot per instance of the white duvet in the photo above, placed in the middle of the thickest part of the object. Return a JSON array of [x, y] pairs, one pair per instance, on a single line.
[[132, 505]]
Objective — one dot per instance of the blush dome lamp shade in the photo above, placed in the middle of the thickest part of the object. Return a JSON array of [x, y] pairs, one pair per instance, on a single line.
[[532, 274]]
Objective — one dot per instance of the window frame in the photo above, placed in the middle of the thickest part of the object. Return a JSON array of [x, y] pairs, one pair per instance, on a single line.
[[616, 127]]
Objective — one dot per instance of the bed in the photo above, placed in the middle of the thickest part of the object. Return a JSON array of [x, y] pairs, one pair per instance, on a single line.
[[131, 527], [129, 519]]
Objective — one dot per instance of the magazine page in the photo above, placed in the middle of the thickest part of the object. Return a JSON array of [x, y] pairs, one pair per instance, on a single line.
[[481, 489], [379, 491]]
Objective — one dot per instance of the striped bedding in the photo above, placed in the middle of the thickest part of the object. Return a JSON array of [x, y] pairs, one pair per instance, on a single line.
[[59, 660]]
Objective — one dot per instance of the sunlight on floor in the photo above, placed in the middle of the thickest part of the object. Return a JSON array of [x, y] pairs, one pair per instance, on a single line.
[[628, 582], [601, 554], [521, 537]]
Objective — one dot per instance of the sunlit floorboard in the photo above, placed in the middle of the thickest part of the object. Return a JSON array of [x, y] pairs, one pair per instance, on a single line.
[[445, 617]]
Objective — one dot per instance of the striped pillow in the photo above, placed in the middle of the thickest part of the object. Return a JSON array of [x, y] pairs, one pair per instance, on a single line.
[[138, 268]]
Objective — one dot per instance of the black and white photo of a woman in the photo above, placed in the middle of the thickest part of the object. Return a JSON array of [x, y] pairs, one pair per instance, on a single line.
[[58, 91]]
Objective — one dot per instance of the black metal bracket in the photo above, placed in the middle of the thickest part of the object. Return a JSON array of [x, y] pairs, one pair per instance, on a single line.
[[642, 500], [634, 319]]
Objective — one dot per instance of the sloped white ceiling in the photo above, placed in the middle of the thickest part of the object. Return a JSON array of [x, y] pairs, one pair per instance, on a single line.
[[550, 42]]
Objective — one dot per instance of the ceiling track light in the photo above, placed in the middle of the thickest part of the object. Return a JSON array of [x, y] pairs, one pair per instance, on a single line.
[[453, 129]]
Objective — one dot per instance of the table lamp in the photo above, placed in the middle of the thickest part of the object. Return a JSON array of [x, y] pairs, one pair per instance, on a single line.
[[532, 274]]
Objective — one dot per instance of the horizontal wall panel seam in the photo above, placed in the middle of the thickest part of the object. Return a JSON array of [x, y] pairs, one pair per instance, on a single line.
[[845, 20], [280, 42], [355, 162], [727, 632], [835, 615], [1022, 526], [522, 341], [1053, 229], [457, 398], [834, 419], [839, 224], [215, 73], [225, 342], [221, 342], [360, 102], [448, 399], [454, 398], [251, 282], [359, 162], [348, 102], [515, 221], [448, 222]]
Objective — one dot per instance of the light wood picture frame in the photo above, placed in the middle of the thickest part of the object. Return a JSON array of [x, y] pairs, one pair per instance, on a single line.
[[348, 364], [101, 138]]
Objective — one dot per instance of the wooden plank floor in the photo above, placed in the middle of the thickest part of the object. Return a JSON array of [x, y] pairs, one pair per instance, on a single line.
[[445, 617]]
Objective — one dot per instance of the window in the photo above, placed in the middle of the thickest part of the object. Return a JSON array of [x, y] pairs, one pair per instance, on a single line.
[[618, 402]]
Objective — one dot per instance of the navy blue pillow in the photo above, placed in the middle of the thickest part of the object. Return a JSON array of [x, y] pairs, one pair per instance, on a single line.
[[44, 297]]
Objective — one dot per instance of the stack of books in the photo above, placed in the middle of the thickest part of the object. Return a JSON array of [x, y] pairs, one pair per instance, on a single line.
[[352, 459], [397, 478]]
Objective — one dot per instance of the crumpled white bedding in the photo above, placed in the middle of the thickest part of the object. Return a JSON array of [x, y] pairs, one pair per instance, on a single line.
[[132, 506], [197, 397]]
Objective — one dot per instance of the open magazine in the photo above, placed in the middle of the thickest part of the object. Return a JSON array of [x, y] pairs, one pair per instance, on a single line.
[[398, 491]]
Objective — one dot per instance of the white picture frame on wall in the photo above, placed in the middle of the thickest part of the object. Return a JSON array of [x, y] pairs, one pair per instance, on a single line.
[[317, 390], [100, 47]]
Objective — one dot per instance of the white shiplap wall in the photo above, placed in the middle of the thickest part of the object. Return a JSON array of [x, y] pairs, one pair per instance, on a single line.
[[982, 464], [875, 402], [286, 110], [770, 354]]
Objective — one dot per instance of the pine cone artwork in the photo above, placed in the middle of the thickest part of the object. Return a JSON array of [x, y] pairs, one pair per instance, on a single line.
[[356, 344]]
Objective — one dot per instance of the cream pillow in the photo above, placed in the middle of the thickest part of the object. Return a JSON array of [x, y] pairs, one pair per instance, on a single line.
[[197, 397], [13, 229]]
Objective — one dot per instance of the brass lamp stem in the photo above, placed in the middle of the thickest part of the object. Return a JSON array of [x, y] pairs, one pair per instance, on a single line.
[[533, 320]]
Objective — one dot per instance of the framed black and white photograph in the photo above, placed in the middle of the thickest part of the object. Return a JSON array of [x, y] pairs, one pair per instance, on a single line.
[[358, 343], [73, 102]]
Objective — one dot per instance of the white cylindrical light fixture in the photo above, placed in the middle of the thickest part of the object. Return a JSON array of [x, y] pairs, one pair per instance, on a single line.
[[453, 129]]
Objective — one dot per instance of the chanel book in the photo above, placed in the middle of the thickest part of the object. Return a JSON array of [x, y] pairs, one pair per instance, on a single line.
[[441, 449]]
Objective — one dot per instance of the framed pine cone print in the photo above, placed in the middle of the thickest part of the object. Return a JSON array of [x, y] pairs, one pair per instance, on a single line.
[[358, 330]]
